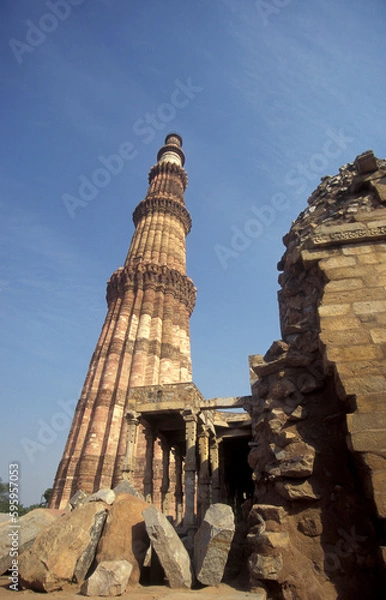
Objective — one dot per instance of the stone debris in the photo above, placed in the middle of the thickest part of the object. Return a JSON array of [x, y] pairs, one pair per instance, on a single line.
[[170, 550], [29, 526], [212, 544], [265, 567], [110, 578], [78, 499], [104, 495], [296, 491], [124, 536], [85, 560], [318, 395], [51, 562], [127, 488]]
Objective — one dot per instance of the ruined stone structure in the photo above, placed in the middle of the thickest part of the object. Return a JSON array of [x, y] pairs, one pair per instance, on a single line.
[[140, 417], [317, 527]]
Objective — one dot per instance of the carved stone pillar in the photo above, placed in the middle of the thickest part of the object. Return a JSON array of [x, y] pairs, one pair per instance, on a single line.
[[132, 418], [214, 467], [178, 491], [190, 419], [203, 494], [165, 475], [148, 475]]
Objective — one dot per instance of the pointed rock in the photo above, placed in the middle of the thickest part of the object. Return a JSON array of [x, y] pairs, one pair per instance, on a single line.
[[104, 495], [170, 550], [127, 488], [110, 578], [212, 544]]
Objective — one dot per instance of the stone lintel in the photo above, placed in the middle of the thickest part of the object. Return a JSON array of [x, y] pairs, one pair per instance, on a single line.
[[228, 402], [165, 397], [231, 419], [235, 432]]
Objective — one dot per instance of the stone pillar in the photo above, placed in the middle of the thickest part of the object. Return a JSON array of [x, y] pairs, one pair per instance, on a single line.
[[214, 467], [148, 475], [190, 419], [203, 493], [132, 418], [165, 475], [178, 490]]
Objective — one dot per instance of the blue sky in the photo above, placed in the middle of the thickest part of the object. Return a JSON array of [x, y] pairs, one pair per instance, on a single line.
[[273, 94]]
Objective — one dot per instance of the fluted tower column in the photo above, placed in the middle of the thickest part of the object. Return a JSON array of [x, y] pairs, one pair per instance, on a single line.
[[145, 339]]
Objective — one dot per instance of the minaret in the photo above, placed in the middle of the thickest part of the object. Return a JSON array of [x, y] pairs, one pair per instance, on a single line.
[[145, 337]]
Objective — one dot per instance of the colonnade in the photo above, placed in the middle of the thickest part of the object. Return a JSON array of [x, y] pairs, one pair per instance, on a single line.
[[189, 469]]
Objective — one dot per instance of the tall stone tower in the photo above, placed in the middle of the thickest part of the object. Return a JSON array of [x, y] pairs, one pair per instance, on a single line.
[[144, 340]]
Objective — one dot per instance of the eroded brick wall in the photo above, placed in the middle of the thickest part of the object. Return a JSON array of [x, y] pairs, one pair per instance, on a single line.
[[317, 528]]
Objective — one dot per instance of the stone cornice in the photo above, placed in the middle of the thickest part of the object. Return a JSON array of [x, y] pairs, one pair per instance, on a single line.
[[168, 167], [165, 205], [151, 276]]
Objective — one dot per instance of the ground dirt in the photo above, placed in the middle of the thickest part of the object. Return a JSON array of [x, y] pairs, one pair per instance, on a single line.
[[223, 592]]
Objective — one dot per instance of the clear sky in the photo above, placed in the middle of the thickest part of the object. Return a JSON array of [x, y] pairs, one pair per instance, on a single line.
[[268, 96]]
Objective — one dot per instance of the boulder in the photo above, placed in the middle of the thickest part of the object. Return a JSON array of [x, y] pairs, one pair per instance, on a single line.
[[86, 558], [110, 578], [124, 536], [52, 560], [171, 552], [212, 544], [78, 499], [104, 495], [4, 517], [127, 488], [28, 527]]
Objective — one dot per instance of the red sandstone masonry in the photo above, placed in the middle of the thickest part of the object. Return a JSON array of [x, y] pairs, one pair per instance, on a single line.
[[144, 341]]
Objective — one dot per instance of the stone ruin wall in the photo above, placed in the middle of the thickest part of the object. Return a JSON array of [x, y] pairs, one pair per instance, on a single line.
[[317, 526]]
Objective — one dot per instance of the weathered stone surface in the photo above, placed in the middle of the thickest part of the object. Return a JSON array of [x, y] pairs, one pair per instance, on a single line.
[[30, 525], [4, 517], [267, 512], [212, 544], [78, 499], [296, 460], [310, 524], [265, 567], [296, 491], [51, 562], [124, 536], [127, 488], [104, 495], [169, 548], [110, 578], [86, 558]]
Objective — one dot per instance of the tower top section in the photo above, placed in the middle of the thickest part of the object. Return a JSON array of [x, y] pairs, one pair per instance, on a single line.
[[172, 151]]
